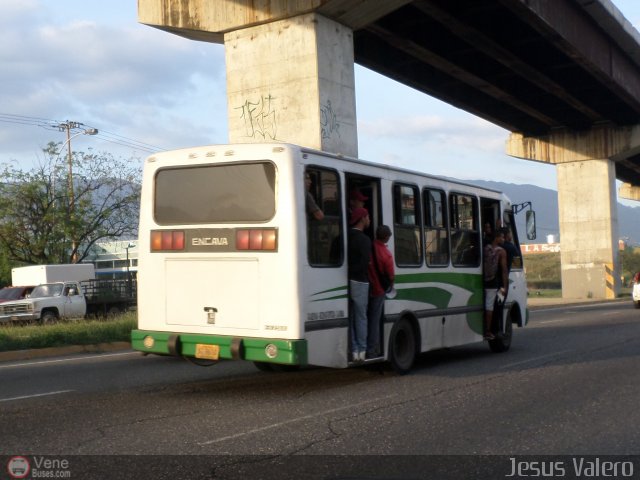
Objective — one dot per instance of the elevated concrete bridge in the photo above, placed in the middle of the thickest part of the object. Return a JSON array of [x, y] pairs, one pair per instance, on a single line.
[[562, 75]]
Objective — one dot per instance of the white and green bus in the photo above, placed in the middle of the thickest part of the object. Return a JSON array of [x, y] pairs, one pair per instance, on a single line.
[[231, 266]]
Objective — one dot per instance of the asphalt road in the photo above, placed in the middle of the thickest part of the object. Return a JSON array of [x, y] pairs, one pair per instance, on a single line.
[[569, 386]]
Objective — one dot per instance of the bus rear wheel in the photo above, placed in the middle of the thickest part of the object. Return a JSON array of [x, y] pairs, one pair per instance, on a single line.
[[263, 366], [275, 367], [402, 346]]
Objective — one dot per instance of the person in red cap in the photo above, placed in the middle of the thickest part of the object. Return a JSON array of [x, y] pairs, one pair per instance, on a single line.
[[381, 277], [356, 199], [359, 256]]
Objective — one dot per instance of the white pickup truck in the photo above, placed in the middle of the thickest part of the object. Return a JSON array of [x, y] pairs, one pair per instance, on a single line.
[[50, 302]]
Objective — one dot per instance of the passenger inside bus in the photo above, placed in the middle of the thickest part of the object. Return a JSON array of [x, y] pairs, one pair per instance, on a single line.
[[312, 208], [356, 199]]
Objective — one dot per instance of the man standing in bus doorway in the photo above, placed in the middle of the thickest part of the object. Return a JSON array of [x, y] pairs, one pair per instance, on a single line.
[[359, 256], [381, 275], [496, 278]]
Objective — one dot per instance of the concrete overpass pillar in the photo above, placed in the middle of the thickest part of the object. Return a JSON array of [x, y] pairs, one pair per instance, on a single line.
[[588, 217], [587, 204], [293, 80], [290, 69]]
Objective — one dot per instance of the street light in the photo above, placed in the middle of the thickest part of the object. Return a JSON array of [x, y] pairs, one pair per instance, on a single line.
[[129, 245], [88, 131]]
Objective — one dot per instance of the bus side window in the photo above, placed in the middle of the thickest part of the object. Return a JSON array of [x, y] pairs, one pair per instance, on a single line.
[[324, 237], [406, 222], [435, 228], [465, 235]]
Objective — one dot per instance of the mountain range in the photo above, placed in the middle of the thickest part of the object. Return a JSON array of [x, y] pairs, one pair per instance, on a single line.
[[545, 203]]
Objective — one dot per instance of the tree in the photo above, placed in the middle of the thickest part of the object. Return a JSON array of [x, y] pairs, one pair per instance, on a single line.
[[36, 223], [630, 261]]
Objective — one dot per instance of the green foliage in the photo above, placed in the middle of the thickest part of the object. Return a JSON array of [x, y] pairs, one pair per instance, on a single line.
[[5, 269], [73, 332], [630, 262], [46, 219], [543, 271]]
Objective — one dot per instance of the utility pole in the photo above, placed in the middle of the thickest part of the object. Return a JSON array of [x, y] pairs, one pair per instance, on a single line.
[[68, 126]]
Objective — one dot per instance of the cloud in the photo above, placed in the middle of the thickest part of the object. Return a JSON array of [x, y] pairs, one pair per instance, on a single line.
[[439, 132], [123, 77]]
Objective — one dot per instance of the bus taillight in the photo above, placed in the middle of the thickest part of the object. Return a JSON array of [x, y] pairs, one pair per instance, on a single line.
[[167, 240], [257, 239]]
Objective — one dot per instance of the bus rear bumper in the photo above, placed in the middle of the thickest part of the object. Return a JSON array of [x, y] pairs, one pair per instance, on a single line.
[[218, 347]]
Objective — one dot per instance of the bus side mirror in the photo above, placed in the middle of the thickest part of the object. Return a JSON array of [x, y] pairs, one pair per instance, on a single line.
[[531, 224]]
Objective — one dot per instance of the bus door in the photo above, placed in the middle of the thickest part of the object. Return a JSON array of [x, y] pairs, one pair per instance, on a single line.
[[365, 191], [325, 304], [490, 216], [362, 190]]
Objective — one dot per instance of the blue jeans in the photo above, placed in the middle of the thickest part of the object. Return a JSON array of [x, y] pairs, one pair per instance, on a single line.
[[374, 314], [359, 295]]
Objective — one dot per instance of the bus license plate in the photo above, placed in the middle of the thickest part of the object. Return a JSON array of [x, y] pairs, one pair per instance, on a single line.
[[208, 352]]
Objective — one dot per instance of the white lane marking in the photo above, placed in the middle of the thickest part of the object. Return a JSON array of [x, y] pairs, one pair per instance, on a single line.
[[62, 360], [568, 319], [34, 395], [297, 419], [551, 355], [571, 306]]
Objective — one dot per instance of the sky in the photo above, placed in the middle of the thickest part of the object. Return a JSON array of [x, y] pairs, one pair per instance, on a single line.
[[145, 90]]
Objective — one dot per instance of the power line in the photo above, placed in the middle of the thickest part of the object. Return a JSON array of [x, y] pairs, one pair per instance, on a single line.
[[50, 124]]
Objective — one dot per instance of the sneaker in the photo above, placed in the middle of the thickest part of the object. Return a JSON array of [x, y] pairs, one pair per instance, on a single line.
[[355, 356], [361, 356]]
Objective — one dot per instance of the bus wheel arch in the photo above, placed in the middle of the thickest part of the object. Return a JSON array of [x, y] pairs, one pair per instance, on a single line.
[[502, 341], [404, 343], [515, 315]]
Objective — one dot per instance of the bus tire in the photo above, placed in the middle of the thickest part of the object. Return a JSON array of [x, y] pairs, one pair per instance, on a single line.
[[636, 304], [402, 346], [280, 367], [502, 341], [264, 366]]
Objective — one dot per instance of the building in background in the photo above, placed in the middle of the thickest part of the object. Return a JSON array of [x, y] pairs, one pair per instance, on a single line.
[[117, 259]]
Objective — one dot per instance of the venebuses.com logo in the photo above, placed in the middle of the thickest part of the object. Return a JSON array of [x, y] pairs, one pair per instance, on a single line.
[[18, 467]]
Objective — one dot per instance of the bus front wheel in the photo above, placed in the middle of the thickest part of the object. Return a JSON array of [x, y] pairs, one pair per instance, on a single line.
[[402, 346], [502, 341]]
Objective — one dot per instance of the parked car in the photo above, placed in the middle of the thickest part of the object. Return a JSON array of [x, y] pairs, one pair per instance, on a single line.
[[9, 294]]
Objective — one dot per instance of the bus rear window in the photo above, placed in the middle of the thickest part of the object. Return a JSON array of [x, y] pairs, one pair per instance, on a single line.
[[232, 193]]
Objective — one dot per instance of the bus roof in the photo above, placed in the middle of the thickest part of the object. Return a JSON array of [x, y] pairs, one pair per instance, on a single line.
[[337, 156]]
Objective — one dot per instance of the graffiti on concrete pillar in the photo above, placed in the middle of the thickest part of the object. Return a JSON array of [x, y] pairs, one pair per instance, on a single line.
[[328, 121], [259, 118]]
